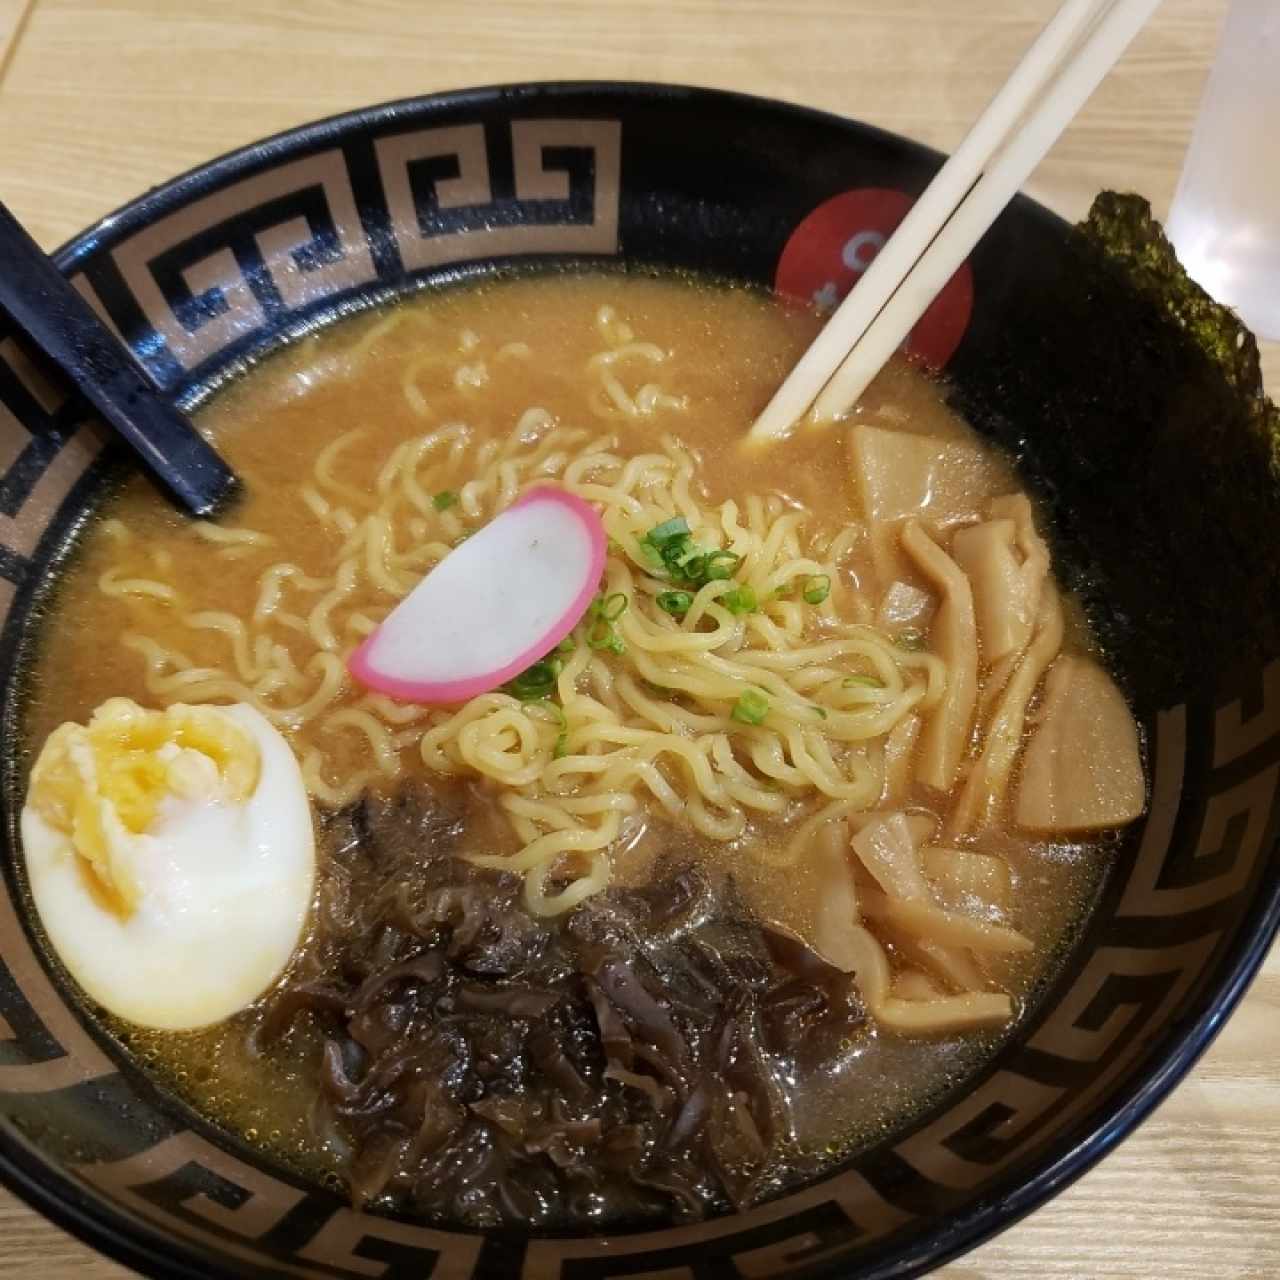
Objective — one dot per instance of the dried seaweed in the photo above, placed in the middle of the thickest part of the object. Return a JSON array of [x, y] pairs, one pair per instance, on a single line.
[[1123, 227], [1135, 407]]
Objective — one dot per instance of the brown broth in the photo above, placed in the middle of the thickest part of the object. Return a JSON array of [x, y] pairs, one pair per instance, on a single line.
[[731, 348]]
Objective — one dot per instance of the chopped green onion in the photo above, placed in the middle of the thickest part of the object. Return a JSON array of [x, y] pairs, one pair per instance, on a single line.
[[562, 745], [721, 565], [740, 600], [751, 707], [603, 612], [911, 640], [869, 682], [444, 500], [669, 546], [539, 680], [534, 682], [611, 608], [650, 554], [680, 558], [822, 711], [601, 635], [675, 529], [817, 589], [692, 568], [676, 603], [608, 640]]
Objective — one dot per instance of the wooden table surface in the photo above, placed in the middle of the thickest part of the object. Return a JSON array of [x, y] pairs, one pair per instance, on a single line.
[[100, 99]]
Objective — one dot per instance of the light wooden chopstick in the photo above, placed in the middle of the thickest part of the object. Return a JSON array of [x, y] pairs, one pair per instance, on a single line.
[[1064, 65]]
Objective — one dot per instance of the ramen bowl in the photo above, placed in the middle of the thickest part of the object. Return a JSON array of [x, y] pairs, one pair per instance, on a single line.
[[1133, 407]]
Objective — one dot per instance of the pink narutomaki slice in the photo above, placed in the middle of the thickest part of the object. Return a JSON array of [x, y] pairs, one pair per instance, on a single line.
[[493, 606]]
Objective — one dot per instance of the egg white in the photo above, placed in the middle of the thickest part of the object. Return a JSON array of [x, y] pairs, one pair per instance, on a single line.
[[225, 892]]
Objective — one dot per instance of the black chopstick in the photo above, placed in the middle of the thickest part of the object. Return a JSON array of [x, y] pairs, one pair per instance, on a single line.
[[45, 309]]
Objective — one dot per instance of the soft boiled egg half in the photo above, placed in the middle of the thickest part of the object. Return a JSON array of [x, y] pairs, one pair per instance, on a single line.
[[171, 858]]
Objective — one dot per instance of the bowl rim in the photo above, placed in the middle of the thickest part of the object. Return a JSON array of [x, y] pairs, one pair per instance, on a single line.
[[127, 1238], [241, 160]]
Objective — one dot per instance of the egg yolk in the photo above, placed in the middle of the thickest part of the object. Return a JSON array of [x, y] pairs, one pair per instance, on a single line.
[[103, 783]]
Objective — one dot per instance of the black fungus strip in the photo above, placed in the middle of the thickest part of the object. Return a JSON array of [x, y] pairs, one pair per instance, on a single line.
[[626, 1064]]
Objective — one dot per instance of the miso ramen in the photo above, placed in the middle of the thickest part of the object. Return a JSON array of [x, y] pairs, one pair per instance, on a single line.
[[772, 845]]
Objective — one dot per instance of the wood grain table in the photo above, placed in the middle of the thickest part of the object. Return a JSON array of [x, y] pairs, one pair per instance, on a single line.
[[100, 99]]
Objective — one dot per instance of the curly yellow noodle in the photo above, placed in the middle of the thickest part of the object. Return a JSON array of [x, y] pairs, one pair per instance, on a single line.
[[112, 583], [217, 533], [323, 469], [378, 736], [335, 795], [249, 667], [388, 324], [543, 904], [316, 503], [639, 350], [318, 624]]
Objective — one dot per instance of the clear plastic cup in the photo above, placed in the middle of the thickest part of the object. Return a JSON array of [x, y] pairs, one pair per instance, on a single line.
[[1225, 217]]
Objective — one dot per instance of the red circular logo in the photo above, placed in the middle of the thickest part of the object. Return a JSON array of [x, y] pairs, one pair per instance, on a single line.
[[835, 244]]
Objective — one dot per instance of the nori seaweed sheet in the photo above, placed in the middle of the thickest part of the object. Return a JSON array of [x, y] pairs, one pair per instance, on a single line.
[[1134, 404]]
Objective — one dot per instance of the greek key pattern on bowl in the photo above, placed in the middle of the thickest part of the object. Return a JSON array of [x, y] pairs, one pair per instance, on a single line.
[[226, 268], [252, 256]]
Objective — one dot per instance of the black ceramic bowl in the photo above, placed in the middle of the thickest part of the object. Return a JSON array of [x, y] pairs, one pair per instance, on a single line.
[[1133, 407]]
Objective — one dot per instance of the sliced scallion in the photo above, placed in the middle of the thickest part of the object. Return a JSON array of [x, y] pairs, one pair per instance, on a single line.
[[751, 707], [603, 612], [676, 603], [720, 565], [602, 636], [669, 546], [677, 528], [692, 568], [740, 600], [650, 554], [534, 682], [445, 499], [817, 588], [613, 607], [605, 638]]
